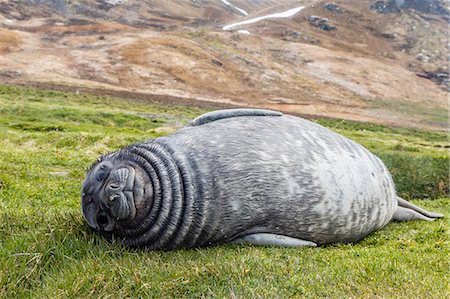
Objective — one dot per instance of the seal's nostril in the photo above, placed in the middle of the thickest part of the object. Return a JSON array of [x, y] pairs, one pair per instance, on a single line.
[[114, 197]]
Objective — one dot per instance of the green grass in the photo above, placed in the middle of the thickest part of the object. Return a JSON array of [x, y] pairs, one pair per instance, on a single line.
[[48, 139]]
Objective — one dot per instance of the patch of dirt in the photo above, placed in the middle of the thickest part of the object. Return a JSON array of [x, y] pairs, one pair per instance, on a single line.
[[9, 41]]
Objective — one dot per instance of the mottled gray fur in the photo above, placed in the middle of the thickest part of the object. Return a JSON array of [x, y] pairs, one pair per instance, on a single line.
[[253, 176]]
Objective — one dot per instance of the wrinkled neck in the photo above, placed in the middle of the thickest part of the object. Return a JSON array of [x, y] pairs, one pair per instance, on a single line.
[[168, 220]]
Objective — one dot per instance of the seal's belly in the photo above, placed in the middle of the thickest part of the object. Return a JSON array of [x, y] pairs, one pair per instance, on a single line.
[[304, 181]]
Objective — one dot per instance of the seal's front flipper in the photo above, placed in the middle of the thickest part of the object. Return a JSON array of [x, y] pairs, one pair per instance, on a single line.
[[406, 211], [228, 113], [267, 239]]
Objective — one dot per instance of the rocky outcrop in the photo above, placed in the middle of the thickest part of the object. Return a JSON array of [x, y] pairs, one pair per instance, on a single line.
[[437, 7], [322, 23], [440, 76], [331, 6]]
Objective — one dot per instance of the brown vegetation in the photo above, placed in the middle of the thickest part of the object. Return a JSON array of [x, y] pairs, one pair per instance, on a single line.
[[9, 41]]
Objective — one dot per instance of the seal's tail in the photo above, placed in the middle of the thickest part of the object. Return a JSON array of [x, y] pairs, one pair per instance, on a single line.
[[407, 211]]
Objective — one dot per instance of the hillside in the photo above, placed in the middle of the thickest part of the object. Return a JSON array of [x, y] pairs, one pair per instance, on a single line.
[[375, 61]]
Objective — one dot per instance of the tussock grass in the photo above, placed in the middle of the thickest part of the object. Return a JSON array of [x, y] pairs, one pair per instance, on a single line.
[[49, 138]]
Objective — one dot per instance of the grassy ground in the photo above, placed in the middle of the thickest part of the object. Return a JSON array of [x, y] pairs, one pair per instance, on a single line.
[[48, 139]]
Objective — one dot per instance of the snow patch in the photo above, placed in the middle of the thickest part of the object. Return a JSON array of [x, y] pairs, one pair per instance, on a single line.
[[241, 11], [114, 2], [227, 3], [244, 31], [281, 15]]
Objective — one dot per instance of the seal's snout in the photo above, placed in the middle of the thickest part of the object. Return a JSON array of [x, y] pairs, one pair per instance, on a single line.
[[118, 194], [118, 182], [119, 179]]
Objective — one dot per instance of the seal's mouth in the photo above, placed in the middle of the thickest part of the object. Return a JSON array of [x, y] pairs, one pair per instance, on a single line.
[[104, 223]]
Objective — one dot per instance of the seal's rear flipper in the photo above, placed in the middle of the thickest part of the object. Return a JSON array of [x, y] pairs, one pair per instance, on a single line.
[[405, 214], [267, 239], [407, 211]]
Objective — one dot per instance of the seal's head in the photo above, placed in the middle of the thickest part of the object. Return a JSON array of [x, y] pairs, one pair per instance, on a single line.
[[115, 192]]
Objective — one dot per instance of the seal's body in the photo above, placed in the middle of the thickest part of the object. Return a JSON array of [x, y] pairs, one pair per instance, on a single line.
[[253, 176]]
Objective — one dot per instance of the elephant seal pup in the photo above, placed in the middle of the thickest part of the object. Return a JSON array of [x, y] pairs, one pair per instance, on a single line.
[[243, 176]]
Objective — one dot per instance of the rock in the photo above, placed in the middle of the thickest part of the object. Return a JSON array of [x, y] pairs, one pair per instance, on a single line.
[[332, 7], [423, 75], [441, 76], [313, 19], [10, 73], [216, 62], [322, 23], [422, 57], [388, 35]]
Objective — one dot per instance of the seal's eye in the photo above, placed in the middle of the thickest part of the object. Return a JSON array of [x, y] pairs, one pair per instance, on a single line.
[[101, 174]]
